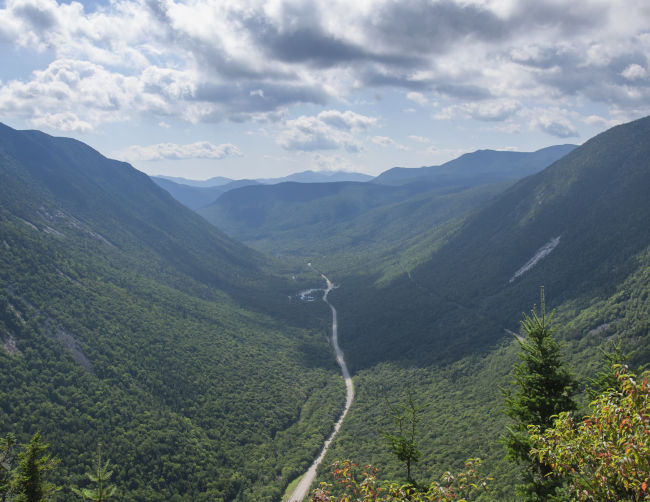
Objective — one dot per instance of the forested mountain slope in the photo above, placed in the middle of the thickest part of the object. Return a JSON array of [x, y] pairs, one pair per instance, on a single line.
[[444, 329], [126, 319], [588, 212]]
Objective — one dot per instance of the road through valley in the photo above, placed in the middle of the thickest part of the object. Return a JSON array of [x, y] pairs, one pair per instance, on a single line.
[[302, 489]]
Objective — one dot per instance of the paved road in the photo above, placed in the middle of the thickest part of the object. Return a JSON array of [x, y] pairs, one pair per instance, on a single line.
[[301, 491]]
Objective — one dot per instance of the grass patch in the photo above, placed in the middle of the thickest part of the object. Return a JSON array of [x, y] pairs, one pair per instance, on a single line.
[[290, 489]]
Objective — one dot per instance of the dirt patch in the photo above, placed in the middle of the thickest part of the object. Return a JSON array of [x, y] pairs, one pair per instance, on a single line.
[[9, 344]]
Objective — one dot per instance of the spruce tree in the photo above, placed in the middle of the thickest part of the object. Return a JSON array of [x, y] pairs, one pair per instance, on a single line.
[[33, 464], [6, 466], [101, 478], [543, 387]]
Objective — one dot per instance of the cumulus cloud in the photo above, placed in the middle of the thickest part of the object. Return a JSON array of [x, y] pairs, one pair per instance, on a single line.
[[206, 61], [65, 121], [329, 130], [634, 72], [347, 120], [172, 151], [418, 97], [490, 111], [89, 93], [333, 163], [559, 127], [385, 141]]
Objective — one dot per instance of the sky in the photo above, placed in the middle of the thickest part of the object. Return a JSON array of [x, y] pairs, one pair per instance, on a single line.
[[251, 89]]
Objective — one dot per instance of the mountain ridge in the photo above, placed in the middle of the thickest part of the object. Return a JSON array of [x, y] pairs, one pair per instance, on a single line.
[[502, 164]]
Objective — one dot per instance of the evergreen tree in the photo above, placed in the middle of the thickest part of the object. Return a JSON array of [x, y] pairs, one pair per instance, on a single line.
[[101, 478], [543, 388], [33, 464], [6, 466]]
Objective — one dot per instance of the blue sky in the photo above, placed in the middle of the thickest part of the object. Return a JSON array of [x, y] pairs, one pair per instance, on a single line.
[[249, 88]]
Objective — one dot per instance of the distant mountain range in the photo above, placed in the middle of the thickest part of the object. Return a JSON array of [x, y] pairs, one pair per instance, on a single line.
[[211, 182], [478, 168], [390, 209], [199, 193], [195, 197], [302, 177]]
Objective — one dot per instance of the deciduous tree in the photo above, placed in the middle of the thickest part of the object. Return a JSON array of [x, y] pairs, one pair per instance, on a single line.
[[403, 444], [362, 485], [607, 455]]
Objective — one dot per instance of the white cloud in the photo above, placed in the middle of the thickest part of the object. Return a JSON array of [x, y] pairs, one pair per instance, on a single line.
[[172, 151], [329, 130], [444, 154], [86, 91], [65, 121], [322, 162], [490, 111], [417, 97], [385, 141], [205, 61], [557, 126], [634, 72], [419, 139], [347, 120]]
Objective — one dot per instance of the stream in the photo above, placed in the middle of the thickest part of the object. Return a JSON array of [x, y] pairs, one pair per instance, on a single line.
[[301, 491]]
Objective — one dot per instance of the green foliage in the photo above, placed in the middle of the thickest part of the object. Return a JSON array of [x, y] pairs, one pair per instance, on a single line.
[[606, 456], [30, 483], [607, 378], [362, 485], [101, 476], [7, 457], [403, 445], [543, 387]]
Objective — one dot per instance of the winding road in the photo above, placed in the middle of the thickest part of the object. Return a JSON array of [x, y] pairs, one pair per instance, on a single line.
[[301, 491]]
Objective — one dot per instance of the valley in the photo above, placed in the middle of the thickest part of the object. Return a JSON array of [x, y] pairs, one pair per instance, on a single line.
[[131, 321], [316, 251]]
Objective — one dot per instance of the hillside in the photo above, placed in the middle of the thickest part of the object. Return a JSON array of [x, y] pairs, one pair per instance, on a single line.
[[126, 319], [592, 204], [445, 329]]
